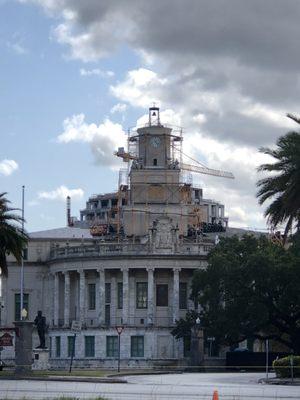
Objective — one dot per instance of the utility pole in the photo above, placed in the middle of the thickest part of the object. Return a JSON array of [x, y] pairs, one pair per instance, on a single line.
[[267, 359], [22, 262]]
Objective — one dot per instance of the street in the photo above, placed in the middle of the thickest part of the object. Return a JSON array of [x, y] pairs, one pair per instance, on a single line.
[[197, 386]]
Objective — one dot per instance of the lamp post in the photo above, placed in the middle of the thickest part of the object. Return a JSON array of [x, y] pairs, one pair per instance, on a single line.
[[196, 343], [210, 339], [267, 359], [119, 330]]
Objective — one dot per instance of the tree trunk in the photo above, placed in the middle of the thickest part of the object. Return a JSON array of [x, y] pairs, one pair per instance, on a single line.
[[287, 228]]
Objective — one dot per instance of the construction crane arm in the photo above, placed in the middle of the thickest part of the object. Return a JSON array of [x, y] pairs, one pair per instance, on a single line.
[[207, 171]]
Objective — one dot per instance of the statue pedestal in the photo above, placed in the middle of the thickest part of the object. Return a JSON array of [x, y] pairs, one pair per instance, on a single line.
[[197, 347], [40, 359], [23, 347]]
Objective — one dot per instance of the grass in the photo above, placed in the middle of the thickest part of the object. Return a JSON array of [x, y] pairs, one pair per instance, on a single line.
[[76, 372]]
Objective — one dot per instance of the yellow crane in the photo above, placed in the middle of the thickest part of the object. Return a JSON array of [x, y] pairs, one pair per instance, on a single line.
[[199, 169]]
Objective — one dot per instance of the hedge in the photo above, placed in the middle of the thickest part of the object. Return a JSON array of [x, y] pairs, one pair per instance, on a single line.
[[282, 367]]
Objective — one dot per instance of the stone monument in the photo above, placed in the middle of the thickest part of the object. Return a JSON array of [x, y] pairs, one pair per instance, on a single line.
[[23, 346], [41, 353], [40, 323]]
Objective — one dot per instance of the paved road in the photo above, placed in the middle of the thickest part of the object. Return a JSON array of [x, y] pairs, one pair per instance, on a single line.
[[155, 387]]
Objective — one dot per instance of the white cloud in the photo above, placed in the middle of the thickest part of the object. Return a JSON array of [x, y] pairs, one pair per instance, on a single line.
[[7, 167], [17, 48], [275, 117], [61, 193], [96, 71], [140, 88], [104, 138], [200, 118], [118, 108]]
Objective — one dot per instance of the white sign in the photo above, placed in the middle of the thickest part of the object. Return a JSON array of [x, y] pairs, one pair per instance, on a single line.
[[76, 326]]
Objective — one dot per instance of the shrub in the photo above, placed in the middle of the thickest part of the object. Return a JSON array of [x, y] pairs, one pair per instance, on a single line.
[[282, 367]]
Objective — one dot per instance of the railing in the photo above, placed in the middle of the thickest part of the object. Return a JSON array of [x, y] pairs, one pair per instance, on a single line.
[[115, 249]]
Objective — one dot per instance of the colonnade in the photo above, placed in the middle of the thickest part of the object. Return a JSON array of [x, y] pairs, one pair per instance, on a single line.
[[100, 296]]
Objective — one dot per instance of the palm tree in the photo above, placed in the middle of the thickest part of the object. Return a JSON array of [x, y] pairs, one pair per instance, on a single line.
[[284, 187], [12, 238]]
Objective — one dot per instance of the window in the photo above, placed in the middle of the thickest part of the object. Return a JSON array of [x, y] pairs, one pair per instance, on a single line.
[[89, 342], [71, 344], [141, 294], [107, 293], [92, 296], [25, 254], [162, 295], [107, 314], [137, 346], [155, 162], [50, 346], [57, 346], [112, 346], [186, 346], [182, 295], [18, 305], [120, 295]]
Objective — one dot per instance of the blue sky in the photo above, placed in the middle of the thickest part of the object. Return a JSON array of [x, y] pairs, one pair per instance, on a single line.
[[40, 87], [74, 75]]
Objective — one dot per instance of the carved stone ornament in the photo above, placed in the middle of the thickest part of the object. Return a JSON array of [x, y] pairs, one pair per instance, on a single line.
[[164, 233]]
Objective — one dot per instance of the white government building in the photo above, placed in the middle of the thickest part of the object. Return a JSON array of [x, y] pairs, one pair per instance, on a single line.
[[127, 262]]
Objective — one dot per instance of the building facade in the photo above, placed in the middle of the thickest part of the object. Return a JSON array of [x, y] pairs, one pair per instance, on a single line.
[[127, 262]]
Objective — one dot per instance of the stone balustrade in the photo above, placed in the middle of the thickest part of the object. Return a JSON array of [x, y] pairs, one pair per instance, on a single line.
[[116, 249]]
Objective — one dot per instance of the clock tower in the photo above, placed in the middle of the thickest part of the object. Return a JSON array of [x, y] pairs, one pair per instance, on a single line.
[[154, 144], [154, 176]]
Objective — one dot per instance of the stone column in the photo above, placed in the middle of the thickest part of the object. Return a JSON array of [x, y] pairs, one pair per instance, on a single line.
[[125, 295], [23, 347], [67, 299], [175, 294], [101, 296], [56, 299], [82, 296], [150, 312]]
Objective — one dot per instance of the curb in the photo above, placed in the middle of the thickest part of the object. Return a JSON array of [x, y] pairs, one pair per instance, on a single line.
[[63, 379], [278, 381]]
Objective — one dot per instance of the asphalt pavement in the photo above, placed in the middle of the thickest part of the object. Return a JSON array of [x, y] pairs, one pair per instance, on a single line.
[[196, 386]]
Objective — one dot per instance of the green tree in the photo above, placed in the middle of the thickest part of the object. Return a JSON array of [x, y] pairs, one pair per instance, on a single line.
[[282, 188], [12, 239], [249, 290]]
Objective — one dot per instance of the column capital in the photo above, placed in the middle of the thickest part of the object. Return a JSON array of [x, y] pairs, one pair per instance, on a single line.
[[150, 269], [66, 272], [125, 269], [176, 269], [80, 271], [100, 269]]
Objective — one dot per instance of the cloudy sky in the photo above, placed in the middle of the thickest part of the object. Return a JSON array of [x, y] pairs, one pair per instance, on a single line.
[[75, 75]]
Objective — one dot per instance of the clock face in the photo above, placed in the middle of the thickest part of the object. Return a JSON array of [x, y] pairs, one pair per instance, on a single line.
[[155, 141]]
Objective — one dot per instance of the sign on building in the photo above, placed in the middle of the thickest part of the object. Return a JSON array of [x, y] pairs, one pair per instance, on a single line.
[[6, 340], [76, 326]]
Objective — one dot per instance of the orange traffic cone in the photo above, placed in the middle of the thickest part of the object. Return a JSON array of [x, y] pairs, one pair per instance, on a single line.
[[215, 395]]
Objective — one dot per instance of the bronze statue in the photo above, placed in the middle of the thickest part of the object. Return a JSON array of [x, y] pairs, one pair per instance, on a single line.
[[40, 323]]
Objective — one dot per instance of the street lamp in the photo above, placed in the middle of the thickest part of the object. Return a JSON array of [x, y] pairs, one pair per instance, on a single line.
[[119, 330]]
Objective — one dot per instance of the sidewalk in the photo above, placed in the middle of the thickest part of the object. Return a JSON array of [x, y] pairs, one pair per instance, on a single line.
[[280, 381]]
